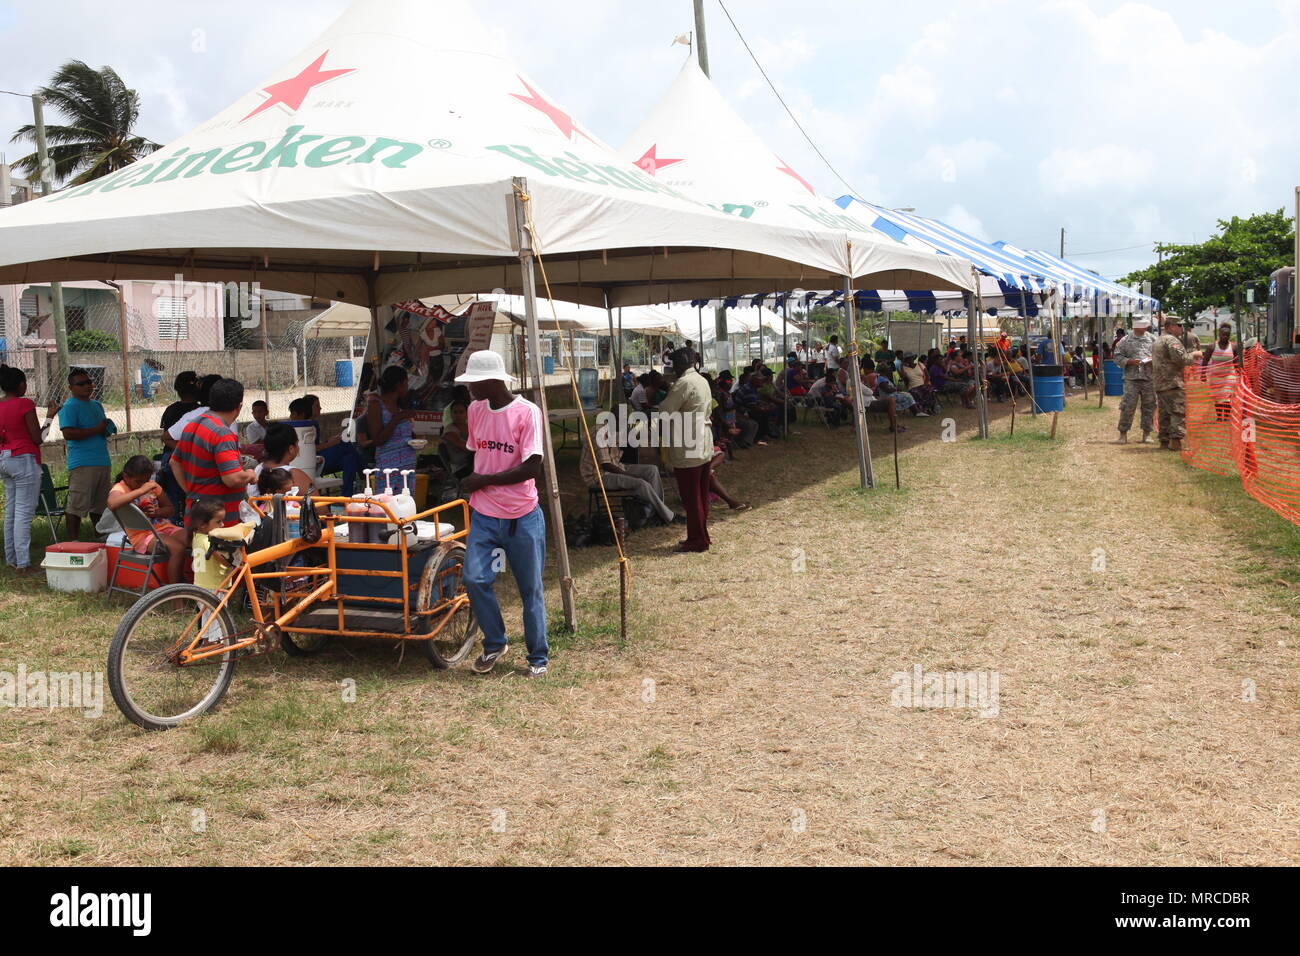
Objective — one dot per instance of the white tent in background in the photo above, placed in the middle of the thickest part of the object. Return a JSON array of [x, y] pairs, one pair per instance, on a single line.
[[556, 316], [694, 141]]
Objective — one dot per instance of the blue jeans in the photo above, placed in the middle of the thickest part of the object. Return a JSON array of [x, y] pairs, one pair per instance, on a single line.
[[22, 483], [343, 457], [522, 543]]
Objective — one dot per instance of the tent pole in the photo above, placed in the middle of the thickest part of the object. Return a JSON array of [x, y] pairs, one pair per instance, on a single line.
[[1029, 358], [266, 360], [125, 347], [614, 369], [981, 377], [700, 319], [785, 360], [554, 505], [866, 478]]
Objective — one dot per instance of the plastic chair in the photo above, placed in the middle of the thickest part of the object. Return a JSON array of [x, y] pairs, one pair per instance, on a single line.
[[309, 462], [131, 518], [49, 505]]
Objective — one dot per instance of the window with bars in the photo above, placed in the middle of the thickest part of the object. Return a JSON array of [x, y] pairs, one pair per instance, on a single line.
[[173, 318]]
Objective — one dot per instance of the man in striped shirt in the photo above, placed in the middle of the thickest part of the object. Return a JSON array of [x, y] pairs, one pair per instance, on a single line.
[[206, 461]]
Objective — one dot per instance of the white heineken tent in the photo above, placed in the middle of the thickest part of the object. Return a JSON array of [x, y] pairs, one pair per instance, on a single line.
[[338, 176], [694, 141]]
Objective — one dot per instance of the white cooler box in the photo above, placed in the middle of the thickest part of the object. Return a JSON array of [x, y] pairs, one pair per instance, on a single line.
[[76, 566]]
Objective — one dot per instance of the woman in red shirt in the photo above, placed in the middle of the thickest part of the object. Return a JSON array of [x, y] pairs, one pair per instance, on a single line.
[[20, 466]]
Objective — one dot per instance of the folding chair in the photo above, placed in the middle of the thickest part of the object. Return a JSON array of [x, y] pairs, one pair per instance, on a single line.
[[131, 518], [49, 505], [616, 495]]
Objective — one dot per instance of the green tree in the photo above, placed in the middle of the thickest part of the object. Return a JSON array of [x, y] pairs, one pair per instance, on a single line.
[[1193, 278], [99, 136]]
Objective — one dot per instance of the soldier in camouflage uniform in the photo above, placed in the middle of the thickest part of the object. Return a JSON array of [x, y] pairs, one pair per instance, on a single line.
[[1169, 357], [1133, 355]]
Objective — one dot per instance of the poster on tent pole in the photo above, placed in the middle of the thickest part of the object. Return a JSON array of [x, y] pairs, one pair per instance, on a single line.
[[480, 319], [432, 344]]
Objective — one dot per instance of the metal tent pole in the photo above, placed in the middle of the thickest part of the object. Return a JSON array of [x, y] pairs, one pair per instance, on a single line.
[[785, 360], [981, 374], [865, 474], [125, 348], [554, 505], [614, 370]]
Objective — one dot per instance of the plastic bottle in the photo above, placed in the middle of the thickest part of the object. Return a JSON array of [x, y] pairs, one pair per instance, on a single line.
[[293, 512], [403, 507], [361, 532], [377, 532]]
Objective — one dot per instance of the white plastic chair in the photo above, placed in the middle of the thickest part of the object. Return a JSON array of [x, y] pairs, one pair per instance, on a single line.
[[309, 462]]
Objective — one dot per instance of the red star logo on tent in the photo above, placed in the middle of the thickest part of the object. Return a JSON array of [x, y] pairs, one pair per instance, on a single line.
[[562, 120], [785, 168], [293, 91], [651, 163]]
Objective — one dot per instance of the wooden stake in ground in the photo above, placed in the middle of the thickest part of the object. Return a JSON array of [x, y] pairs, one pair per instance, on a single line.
[[898, 479], [1055, 416]]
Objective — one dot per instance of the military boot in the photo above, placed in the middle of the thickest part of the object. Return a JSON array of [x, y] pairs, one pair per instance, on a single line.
[[1175, 444], [1123, 438]]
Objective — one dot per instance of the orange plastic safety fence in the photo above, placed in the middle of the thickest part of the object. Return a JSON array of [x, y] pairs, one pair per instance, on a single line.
[[1210, 390], [1249, 417]]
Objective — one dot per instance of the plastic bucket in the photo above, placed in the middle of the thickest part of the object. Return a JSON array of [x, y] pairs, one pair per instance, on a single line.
[[1114, 379], [344, 374]]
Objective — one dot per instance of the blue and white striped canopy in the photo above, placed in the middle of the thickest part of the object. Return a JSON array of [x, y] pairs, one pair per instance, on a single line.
[[1078, 283], [1013, 271]]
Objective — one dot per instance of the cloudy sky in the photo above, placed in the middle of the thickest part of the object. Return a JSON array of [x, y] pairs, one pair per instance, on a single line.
[[1126, 123]]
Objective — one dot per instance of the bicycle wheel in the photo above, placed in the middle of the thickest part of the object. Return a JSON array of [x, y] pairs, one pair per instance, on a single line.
[[147, 687], [441, 581]]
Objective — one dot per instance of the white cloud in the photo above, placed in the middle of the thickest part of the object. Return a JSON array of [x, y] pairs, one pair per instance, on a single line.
[[959, 217], [1074, 171]]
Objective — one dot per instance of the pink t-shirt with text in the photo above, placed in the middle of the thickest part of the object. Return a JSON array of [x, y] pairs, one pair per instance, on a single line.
[[502, 439]]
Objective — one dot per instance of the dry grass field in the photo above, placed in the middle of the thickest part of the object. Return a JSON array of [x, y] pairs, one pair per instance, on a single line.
[[1127, 604]]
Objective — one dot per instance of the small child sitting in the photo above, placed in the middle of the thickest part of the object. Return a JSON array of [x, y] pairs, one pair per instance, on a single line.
[[136, 485], [209, 570]]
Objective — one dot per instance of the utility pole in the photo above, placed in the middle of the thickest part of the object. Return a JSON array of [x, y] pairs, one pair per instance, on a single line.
[[701, 40], [56, 288], [721, 351], [1062, 242]]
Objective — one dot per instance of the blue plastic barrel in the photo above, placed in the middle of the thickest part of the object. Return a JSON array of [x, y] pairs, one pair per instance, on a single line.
[[343, 373], [1114, 378], [548, 365], [1049, 389]]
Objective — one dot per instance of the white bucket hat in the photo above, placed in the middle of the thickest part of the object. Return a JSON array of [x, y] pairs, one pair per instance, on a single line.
[[1141, 323], [484, 366]]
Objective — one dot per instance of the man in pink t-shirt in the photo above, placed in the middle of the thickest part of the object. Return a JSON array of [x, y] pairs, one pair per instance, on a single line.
[[505, 435]]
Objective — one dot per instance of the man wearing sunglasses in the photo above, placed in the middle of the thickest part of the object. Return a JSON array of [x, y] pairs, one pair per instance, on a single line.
[[86, 429]]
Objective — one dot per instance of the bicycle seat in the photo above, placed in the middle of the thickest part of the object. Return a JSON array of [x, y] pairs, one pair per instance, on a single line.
[[231, 540]]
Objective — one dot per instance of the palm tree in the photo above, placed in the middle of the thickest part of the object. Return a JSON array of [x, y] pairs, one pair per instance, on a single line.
[[98, 140]]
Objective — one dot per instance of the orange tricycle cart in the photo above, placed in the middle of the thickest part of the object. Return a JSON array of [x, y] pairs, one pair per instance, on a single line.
[[367, 575]]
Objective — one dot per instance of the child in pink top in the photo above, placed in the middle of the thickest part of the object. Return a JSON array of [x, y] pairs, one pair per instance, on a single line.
[[505, 434]]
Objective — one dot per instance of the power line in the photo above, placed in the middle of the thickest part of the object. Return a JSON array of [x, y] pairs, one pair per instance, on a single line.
[[1102, 252], [784, 105]]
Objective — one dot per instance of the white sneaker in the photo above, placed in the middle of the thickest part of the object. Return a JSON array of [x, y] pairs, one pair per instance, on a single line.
[[922, 415]]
